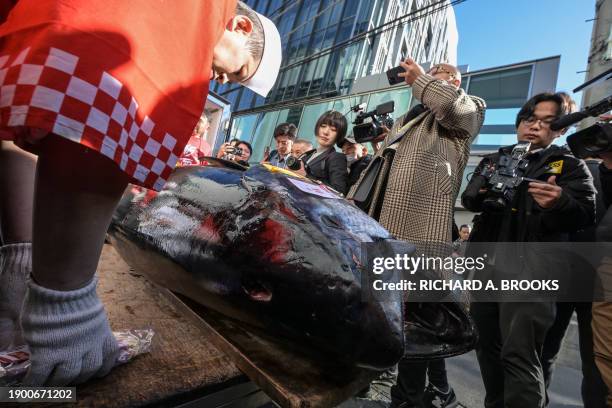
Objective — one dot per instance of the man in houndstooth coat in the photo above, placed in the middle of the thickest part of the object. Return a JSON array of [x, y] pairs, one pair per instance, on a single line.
[[431, 145]]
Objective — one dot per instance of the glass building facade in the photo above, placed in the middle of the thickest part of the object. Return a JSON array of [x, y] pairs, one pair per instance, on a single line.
[[327, 44]]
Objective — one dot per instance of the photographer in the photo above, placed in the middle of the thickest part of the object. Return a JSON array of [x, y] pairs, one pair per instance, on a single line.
[[237, 151], [432, 143], [512, 334]]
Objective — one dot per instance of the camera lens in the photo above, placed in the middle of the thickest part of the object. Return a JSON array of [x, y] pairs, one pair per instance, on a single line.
[[293, 163]]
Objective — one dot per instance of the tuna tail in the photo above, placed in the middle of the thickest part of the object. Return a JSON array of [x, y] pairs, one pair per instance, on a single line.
[[438, 330]]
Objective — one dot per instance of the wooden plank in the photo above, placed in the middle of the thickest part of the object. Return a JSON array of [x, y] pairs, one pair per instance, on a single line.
[[197, 352], [183, 363], [289, 377]]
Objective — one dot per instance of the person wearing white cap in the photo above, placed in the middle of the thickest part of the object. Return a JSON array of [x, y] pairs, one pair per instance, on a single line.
[[84, 73], [257, 69]]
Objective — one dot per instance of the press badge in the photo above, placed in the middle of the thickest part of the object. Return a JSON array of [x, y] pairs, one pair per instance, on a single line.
[[555, 167]]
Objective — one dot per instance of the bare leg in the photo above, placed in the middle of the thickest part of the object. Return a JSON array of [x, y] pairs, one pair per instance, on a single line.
[[77, 190], [17, 170]]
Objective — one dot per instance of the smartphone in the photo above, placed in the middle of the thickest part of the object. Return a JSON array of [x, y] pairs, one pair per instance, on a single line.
[[393, 75]]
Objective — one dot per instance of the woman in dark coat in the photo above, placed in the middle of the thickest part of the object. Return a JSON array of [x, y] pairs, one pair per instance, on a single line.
[[325, 163]]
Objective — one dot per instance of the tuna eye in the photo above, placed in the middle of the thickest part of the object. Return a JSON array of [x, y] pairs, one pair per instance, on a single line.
[[331, 221], [257, 290]]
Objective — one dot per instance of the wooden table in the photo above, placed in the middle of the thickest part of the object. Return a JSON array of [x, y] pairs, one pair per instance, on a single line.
[[186, 362], [183, 363]]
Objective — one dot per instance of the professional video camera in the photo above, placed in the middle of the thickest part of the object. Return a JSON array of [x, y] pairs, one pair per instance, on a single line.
[[365, 131], [504, 177], [595, 139]]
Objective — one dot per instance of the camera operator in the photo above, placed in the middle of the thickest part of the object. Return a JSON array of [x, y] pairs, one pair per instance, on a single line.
[[512, 334], [357, 158], [593, 388], [237, 151], [432, 145]]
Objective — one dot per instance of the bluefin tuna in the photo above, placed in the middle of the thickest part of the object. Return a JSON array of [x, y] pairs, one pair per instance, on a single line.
[[277, 252]]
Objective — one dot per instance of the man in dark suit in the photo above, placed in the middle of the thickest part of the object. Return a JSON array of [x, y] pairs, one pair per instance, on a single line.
[[284, 136]]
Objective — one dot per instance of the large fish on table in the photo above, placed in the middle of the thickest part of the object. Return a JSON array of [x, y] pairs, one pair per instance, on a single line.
[[260, 247]]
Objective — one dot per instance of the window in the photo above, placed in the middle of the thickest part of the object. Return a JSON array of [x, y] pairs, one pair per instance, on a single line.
[[330, 36], [293, 116], [243, 127], [345, 30], [428, 39], [246, 99], [309, 119], [504, 89], [317, 79], [307, 74], [336, 13], [263, 134], [402, 98]]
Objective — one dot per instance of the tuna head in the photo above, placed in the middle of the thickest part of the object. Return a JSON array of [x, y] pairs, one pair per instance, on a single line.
[[255, 247]]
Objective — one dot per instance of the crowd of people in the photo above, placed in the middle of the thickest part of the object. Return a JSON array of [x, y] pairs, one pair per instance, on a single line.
[[412, 194], [410, 185]]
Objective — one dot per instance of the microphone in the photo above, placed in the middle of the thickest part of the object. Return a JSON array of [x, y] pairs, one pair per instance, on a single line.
[[598, 108], [568, 120]]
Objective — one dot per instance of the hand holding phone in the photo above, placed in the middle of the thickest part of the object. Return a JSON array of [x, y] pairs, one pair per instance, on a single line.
[[393, 75]]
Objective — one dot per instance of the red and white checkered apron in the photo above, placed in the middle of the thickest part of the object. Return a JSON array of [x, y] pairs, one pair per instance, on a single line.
[[128, 79]]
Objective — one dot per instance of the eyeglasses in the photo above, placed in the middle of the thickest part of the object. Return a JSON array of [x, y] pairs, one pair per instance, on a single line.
[[438, 69], [531, 120]]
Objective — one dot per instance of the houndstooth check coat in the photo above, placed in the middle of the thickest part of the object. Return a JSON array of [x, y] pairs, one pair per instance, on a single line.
[[426, 173]]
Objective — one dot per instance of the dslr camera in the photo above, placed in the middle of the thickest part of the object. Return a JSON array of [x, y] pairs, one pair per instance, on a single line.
[[233, 150], [364, 131], [293, 163], [504, 177]]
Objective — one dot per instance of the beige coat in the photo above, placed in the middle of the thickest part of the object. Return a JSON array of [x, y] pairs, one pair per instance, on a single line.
[[426, 173]]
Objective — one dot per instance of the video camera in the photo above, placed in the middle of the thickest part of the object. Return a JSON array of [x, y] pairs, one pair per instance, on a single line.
[[595, 139], [504, 177], [365, 131]]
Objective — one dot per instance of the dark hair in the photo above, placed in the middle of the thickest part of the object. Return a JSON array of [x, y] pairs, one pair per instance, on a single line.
[[255, 41], [335, 119], [247, 144], [285, 129], [464, 226], [565, 105]]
